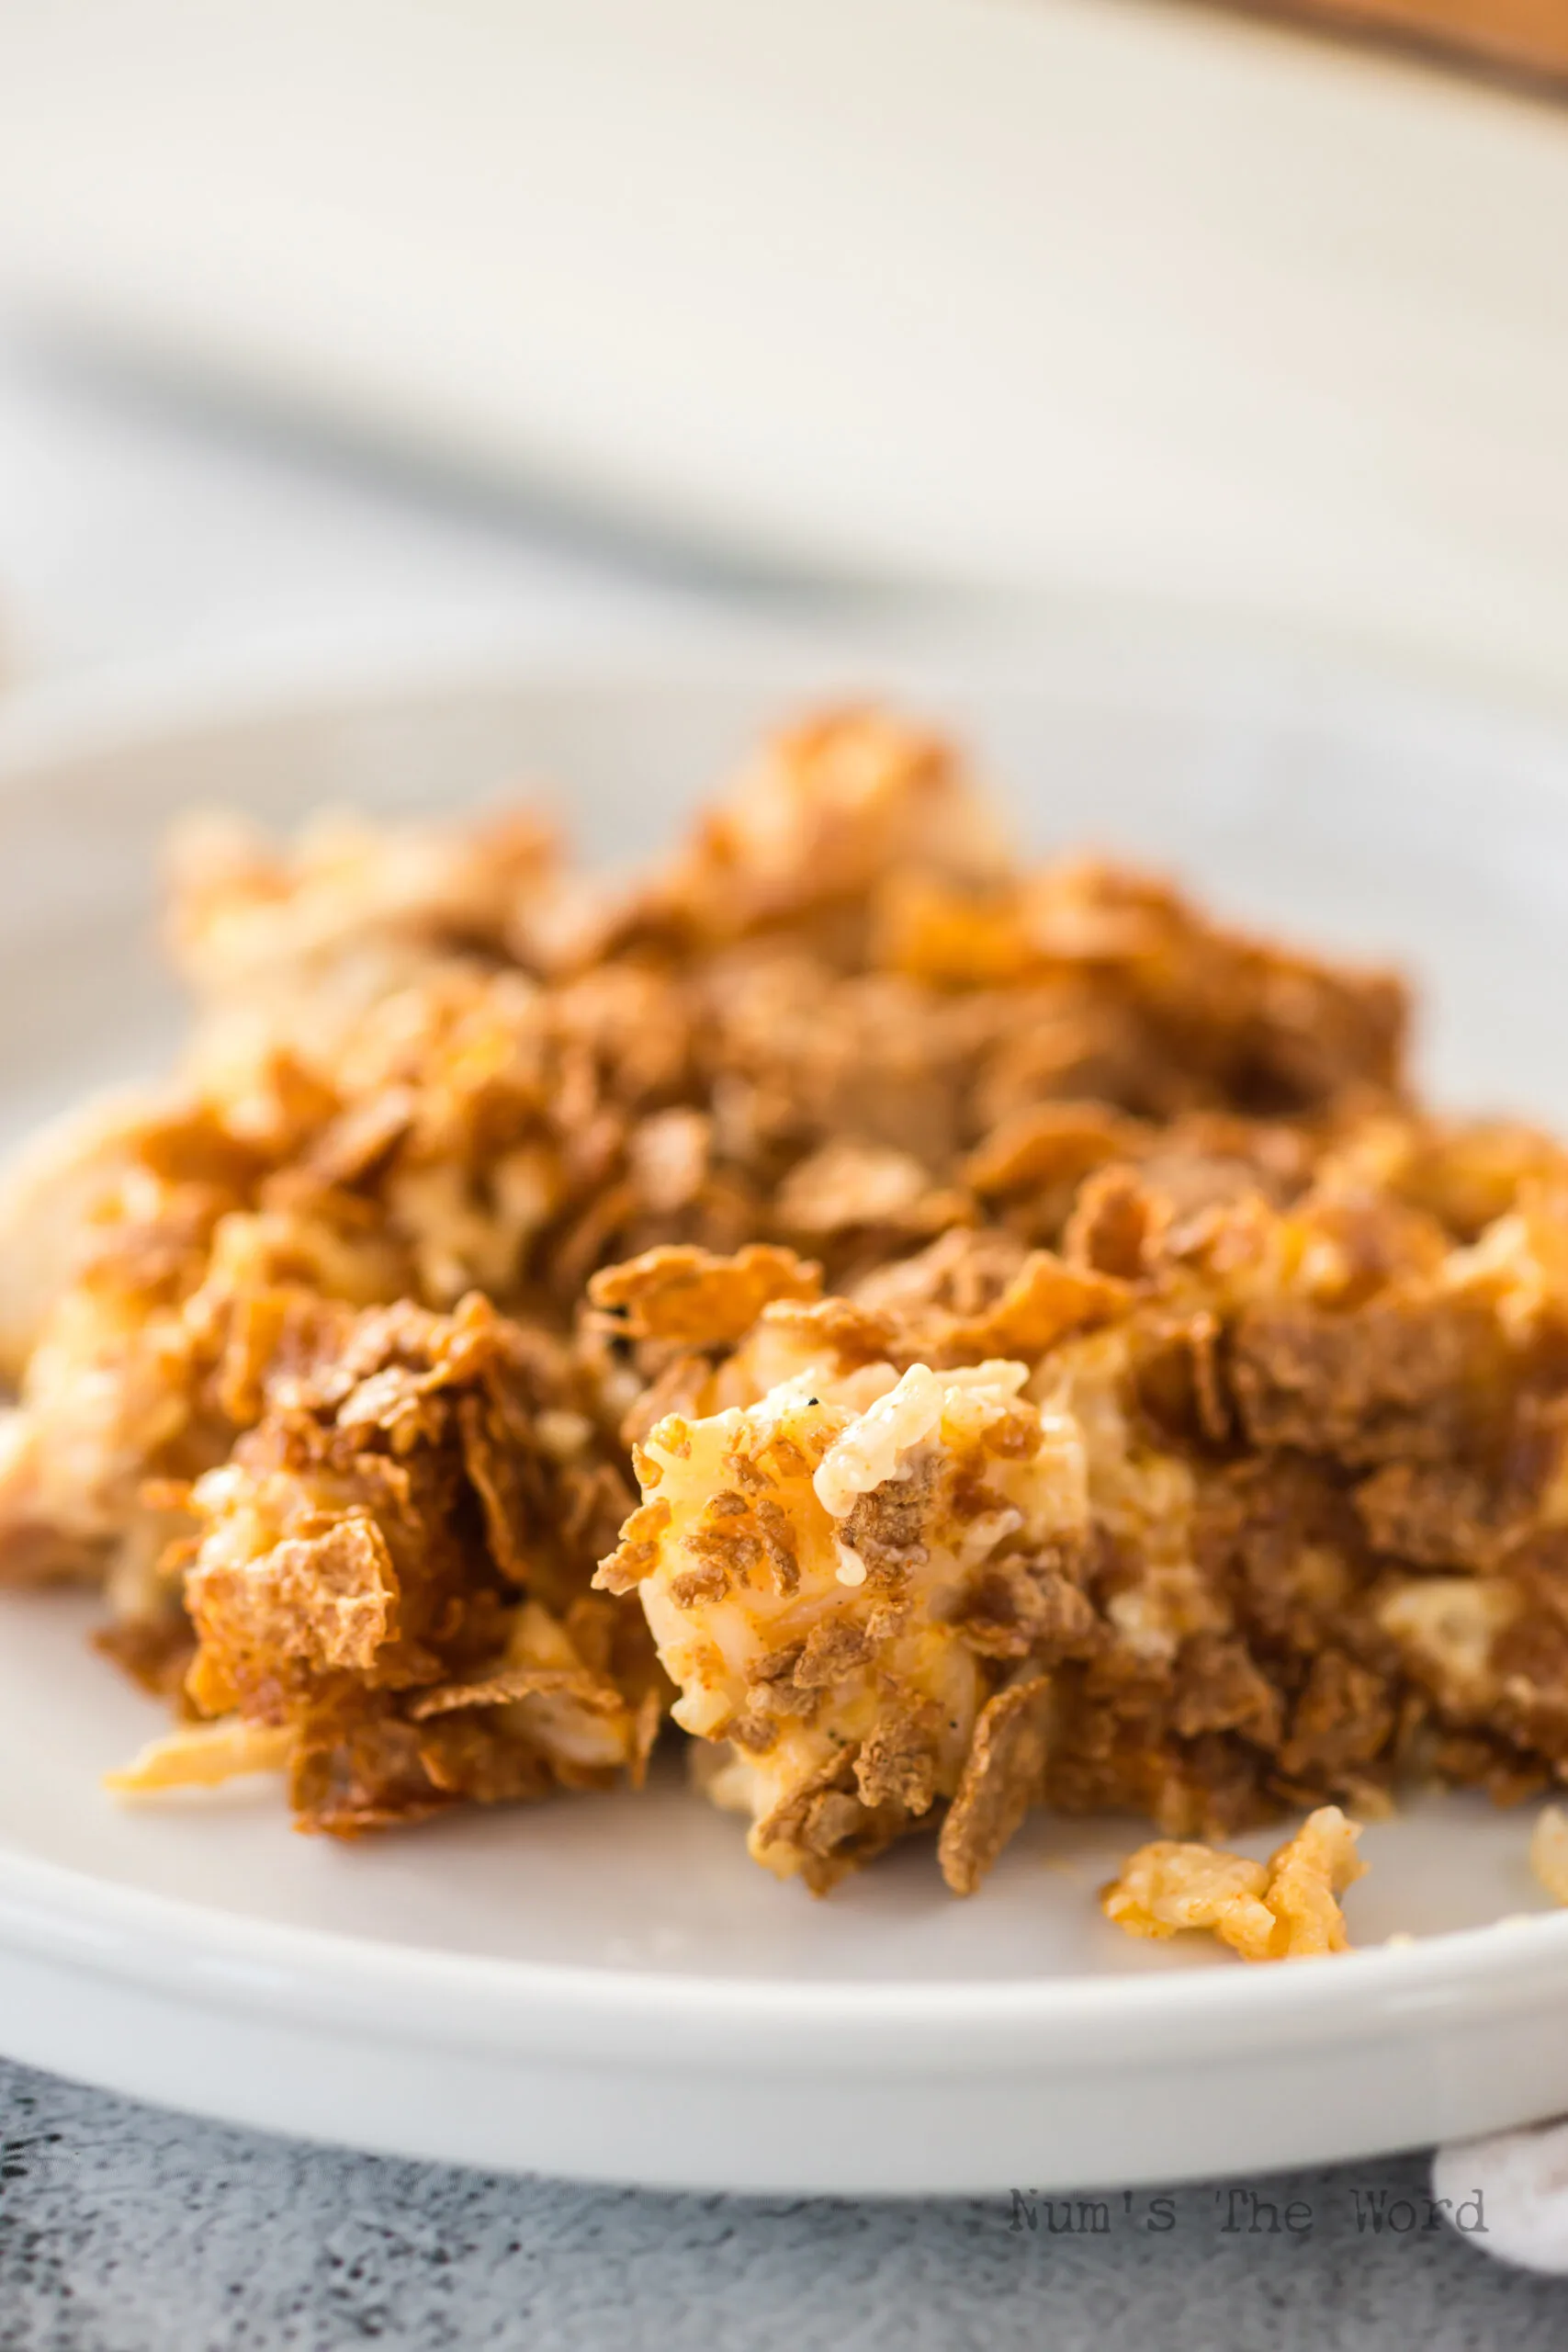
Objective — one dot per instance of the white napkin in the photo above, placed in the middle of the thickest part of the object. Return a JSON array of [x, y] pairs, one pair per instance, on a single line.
[[1522, 2181]]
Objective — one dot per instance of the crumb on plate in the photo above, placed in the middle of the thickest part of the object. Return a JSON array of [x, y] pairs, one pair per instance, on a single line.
[[1285, 1909]]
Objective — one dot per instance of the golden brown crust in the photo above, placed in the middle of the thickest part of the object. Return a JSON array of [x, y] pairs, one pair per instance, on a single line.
[[486, 1197], [362, 1576]]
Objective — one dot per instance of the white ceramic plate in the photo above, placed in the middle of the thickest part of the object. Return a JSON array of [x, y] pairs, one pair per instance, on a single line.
[[607, 1986], [1150, 295]]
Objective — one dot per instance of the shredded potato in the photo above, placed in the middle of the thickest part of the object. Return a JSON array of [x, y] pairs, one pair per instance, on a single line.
[[802, 1565]]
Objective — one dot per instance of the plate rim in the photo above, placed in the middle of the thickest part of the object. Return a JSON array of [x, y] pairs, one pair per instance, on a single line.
[[132, 703], [178, 1949]]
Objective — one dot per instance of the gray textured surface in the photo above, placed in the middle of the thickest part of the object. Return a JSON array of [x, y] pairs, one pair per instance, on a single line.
[[124, 2229]]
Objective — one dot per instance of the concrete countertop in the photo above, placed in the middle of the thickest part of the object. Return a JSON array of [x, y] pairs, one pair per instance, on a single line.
[[124, 2229]]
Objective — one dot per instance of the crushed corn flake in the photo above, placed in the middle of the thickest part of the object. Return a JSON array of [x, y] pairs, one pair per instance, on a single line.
[[1285, 1909], [949, 1337]]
